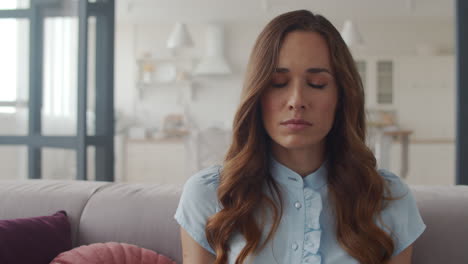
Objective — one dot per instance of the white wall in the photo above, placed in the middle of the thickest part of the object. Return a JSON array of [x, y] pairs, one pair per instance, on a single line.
[[216, 98], [425, 103], [402, 36]]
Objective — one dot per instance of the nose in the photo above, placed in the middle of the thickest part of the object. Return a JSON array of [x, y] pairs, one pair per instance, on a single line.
[[294, 107], [296, 99]]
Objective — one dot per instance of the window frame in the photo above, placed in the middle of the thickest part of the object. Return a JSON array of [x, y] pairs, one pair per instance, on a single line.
[[103, 140]]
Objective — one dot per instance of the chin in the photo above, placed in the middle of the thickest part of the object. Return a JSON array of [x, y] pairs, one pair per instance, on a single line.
[[298, 144]]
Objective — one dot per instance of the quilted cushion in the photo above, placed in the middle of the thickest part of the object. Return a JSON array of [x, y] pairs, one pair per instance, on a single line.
[[111, 253]]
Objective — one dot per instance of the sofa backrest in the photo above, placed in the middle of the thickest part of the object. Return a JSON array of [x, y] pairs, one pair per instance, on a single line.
[[142, 214], [138, 214], [29, 198]]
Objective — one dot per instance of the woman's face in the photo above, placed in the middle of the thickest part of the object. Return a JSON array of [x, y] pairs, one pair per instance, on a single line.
[[298, 108]]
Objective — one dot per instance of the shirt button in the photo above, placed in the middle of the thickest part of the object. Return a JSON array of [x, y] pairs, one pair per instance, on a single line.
[[294, 246], [298, 205]]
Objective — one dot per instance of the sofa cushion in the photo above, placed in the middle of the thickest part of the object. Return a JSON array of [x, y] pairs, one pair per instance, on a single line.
[[34, 240], [140, 214], [111, 253]]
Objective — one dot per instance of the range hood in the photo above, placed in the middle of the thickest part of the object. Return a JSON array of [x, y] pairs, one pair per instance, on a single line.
[[213, 62]]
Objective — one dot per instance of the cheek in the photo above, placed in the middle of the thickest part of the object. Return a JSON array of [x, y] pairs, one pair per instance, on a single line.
[[327, 109], [269, 108]]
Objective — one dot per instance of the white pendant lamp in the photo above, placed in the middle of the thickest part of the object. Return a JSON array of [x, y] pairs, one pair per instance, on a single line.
[[351, 34], [179, 37]]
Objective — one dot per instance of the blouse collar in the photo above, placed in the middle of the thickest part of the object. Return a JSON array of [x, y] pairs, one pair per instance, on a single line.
[[285, 175]]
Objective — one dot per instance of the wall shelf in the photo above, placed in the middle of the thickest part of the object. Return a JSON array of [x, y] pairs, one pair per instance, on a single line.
[[158, 84], [183, 88]]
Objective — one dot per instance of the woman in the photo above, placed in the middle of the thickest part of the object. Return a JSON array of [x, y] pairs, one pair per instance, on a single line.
[[298, 184]]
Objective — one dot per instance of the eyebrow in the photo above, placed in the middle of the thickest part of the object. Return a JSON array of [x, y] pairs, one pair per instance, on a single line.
[[310, 70]]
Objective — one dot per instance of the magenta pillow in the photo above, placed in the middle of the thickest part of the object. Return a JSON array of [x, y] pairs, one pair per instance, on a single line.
[[111, 253], [34, 240]]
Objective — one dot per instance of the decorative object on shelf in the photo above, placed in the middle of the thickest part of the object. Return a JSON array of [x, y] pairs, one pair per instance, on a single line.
[[137, 132], [174, 125], [169, 73], [153, 71], [182, 75], [165, 72], [173, 72], [147, 69], [381, 118], [214, 61], [351, 34]]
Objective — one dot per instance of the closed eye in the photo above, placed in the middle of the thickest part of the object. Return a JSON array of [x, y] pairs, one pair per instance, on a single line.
[[278, 85], [318, 86]]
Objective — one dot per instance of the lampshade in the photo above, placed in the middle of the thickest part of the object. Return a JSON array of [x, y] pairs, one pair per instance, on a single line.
[[179, 37], [351, 34]]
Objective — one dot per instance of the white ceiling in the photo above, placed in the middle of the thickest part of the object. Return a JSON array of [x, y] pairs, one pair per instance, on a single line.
[[147, 11]]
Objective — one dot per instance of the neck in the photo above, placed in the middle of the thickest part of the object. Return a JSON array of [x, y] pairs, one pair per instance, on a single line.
[[303, 161]]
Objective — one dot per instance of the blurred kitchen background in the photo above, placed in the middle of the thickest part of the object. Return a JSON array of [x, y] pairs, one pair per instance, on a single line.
[[178, 72]]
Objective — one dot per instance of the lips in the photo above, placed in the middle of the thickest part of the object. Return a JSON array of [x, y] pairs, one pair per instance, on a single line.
[[296, 125], [296, 122]]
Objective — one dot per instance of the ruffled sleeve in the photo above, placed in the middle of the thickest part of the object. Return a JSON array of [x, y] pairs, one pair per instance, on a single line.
[[197, 203], [402, 215]]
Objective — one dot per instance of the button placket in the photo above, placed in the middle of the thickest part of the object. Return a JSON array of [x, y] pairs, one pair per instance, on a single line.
[[313, 259], [313, 208], [312, 241]]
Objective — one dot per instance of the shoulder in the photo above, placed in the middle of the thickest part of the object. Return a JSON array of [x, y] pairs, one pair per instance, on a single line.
[[398, 190], [206, 179], [198, 202], [397, 186], [401, 217], [200, 189]]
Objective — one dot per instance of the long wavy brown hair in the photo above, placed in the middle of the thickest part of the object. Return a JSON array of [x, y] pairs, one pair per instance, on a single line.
[[356, 189]]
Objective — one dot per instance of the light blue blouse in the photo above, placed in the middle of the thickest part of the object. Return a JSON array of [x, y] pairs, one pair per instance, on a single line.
[[305, 233]]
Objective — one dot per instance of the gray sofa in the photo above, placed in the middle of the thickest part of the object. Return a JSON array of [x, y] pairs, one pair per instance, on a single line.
[[142, 214]]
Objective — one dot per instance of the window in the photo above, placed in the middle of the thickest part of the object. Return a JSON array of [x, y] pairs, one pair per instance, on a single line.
[[60, 66], [13, 4], [46, 54], [384, 82], [14, 64]]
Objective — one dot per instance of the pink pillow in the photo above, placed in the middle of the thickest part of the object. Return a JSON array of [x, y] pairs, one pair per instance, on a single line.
[[111, 253]]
